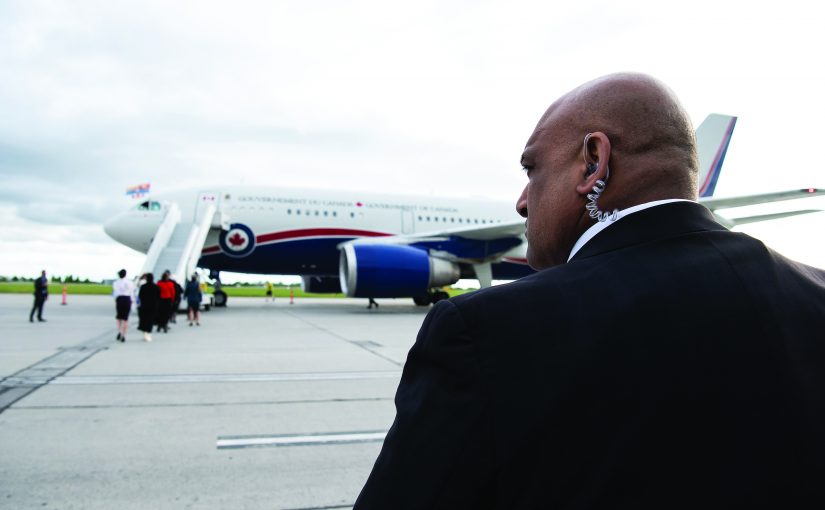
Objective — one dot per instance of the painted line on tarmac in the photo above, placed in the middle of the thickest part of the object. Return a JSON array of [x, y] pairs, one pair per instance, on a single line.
[[24, 407], [368, 436], [360, 344], [20, 384], [345, 507], [224, 378]]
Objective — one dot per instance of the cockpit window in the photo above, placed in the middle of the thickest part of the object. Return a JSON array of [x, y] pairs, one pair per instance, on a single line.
[[149, 205]]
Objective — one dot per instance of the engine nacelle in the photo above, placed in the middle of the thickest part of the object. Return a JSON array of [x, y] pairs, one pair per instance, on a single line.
[[320, 284], [389, 270]]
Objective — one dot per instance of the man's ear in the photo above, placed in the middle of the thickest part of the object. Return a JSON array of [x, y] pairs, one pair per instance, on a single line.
[[595, 156]]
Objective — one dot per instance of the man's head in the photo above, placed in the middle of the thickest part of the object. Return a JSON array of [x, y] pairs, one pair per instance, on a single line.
[[122, 273], [638, 131]]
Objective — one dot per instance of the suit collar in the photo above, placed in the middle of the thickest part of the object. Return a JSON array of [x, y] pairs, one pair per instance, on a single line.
[[651, 224]]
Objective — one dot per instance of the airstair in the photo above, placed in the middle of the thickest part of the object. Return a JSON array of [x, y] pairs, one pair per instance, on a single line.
[[177, 244]]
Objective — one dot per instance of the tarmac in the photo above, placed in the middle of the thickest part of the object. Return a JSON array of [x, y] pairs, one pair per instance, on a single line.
[[264, 406]]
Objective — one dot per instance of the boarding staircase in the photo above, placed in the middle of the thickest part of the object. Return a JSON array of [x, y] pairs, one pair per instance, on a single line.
[[178, 243]]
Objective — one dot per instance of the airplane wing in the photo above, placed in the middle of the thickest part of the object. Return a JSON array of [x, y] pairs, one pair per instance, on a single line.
[[476, 244], [478, 233], [725, 203], [489, 243], [713, 203], [774, 216]]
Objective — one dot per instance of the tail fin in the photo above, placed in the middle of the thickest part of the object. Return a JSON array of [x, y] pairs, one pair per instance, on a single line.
[[713, 138]]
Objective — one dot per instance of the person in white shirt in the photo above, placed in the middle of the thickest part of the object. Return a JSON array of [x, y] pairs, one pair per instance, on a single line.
[[122, 290]]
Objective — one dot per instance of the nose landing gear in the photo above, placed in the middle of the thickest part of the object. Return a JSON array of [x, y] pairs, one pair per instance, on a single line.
[[431, 297]]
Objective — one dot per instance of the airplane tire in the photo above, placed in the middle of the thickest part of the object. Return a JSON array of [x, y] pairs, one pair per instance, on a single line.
[[422, 300], [220, 298]]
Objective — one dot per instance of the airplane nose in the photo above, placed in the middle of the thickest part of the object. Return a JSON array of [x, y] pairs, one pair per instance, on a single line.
[[115, 228]]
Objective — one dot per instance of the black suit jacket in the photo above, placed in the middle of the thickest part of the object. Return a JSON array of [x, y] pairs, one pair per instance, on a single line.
[[670, 364]]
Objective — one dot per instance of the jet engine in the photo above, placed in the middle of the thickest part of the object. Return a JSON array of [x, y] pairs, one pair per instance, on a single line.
[[389, 270]]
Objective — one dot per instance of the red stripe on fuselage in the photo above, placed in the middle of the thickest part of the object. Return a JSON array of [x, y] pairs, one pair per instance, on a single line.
[[317, 232], [305, 233]]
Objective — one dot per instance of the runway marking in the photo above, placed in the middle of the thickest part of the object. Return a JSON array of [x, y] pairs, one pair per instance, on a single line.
[[345, 507], [20, 384], [224, 378], [361, 344], [205, 404], [369, 436]]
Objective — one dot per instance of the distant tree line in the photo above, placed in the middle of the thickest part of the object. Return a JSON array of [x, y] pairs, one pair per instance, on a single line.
[[54, 279], [76, 279]]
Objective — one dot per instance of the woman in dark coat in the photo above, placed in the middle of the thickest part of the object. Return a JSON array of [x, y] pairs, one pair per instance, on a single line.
[[148, 297]]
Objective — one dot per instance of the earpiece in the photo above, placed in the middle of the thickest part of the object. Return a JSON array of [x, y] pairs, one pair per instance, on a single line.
[[591, 167]]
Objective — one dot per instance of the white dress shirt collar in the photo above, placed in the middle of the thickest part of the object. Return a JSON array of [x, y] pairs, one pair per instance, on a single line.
[[601, 225]]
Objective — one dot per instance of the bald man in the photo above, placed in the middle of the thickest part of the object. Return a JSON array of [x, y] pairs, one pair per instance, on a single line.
[[655, 360]]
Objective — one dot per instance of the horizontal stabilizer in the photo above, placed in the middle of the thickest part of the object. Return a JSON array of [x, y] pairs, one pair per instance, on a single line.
[[764, 198], [766, 217]]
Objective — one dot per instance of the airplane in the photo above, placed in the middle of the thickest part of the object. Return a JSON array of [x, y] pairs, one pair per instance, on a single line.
[[369, 245]]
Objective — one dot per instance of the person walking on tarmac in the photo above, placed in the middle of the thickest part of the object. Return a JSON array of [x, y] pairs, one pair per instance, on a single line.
[[167, 298], [41, 293], [193, 300], [122, 291], [148, 299], [269, 292], [175, 300]]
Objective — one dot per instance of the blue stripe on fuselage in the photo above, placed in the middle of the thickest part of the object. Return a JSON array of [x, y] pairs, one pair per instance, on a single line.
[[316, 257]]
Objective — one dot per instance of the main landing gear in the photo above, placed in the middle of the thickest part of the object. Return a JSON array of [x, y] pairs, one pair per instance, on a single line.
[[220, 295], [431, 297]]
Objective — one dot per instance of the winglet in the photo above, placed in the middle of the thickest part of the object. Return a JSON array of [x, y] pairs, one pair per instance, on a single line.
[[713, 137]]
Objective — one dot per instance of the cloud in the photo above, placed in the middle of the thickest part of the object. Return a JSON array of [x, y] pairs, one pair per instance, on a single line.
[[426, 97]]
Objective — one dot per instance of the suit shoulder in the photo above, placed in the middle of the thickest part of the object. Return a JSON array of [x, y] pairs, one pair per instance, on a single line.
[[543, 285]]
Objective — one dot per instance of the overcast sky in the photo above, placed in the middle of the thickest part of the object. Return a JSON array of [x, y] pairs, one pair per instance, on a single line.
[[424, 97]]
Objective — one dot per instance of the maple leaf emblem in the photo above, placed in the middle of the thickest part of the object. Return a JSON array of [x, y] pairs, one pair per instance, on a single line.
[[237, 239]]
